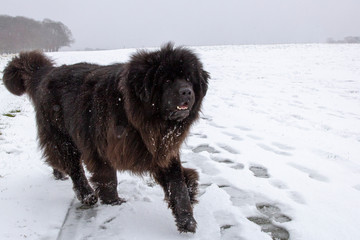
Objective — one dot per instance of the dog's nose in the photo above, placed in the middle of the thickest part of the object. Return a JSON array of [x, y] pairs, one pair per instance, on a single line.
[[186, 91]]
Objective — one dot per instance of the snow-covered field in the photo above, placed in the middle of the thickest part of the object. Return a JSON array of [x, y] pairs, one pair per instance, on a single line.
[[277, 148]]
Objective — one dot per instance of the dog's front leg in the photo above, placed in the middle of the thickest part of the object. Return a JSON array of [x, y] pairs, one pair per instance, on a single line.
[[177, 195]]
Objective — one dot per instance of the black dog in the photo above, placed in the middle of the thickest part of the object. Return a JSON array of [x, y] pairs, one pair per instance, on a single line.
[[132, 116]]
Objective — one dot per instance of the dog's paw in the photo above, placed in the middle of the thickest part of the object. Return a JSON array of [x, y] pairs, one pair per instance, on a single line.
[[186, 223], [116, 201], [89, 199]]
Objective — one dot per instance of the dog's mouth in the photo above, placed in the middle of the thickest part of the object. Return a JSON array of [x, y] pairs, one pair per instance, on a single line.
[[180, 113], [182, 108]]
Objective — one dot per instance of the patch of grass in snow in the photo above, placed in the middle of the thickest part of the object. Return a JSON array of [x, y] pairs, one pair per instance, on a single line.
[[15, 111], [12, 113], [224, 227], [9, 115]]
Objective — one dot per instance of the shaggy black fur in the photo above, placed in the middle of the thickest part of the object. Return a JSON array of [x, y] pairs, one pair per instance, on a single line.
[[132, 116]]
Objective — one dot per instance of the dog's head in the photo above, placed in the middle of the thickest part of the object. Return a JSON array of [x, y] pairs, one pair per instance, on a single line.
[[170, 82]]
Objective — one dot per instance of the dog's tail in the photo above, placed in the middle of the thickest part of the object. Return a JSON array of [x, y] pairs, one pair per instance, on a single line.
[[20, 73]]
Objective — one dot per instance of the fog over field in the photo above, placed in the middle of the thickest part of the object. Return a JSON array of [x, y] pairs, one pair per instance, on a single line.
[[112, 24]]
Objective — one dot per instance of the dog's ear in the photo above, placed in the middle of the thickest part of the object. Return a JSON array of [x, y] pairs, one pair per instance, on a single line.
[[143, 93], [137, 82], [140, 73]]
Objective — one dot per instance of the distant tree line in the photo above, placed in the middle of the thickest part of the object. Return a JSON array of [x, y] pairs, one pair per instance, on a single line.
[[350, 39], [22, 34]]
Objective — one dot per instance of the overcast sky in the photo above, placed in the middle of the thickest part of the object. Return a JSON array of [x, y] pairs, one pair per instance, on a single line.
[[110, 24]]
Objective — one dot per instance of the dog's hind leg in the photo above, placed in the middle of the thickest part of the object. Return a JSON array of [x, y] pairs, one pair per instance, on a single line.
[[104, 179], [62, 154]]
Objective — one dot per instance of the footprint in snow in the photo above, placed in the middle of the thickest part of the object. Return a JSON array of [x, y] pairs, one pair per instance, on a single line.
[[296, 116], [244, 128], [216, 125], [271, 213], [199, 135], [276, 232], [270, 149], [278, 184], [230, 163], [229, 226], [311, 173], [222, 160], [254, 137], [238, 166], [228, 148], [205, 148], [233, 136], [259, 171], [282, 146], [296, 197], [240, 198]]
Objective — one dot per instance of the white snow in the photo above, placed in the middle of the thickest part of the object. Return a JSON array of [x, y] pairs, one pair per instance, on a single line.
[[278, 142]]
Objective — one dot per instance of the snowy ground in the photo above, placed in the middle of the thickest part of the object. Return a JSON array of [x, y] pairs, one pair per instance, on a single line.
[[277, 148]]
